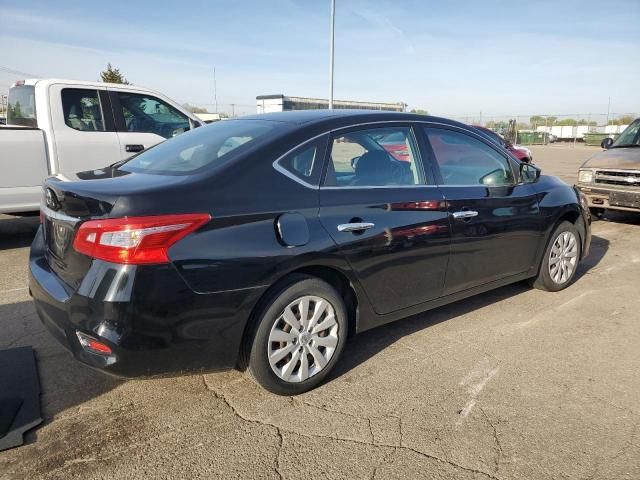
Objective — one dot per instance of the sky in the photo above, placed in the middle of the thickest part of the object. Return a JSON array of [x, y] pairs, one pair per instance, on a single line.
[[450, 57]]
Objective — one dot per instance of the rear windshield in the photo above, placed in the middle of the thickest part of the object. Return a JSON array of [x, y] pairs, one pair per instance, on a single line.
[[22, 106], [213, 144]]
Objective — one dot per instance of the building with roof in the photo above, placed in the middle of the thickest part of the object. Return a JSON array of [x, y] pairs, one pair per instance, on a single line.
[[281, 103]]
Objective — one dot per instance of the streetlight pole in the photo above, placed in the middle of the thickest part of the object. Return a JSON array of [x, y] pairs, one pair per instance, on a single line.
[[331, 48]]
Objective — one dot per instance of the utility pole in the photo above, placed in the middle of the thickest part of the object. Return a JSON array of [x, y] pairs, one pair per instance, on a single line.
[[215, 90], [233, 110], [331, 49], [608, 109]]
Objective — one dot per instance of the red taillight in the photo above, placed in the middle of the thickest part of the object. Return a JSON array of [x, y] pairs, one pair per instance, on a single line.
[[135, 240]]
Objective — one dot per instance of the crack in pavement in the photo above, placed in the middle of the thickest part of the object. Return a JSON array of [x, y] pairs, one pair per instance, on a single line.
[[277, 461], [420, 453], [499, 451]]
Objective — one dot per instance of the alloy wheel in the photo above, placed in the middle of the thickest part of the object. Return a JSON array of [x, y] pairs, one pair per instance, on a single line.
[[303, 339], [563, 257]]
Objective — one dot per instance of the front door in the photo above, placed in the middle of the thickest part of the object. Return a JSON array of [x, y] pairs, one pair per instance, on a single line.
[[496, 225], [391, 226], [143, 121]]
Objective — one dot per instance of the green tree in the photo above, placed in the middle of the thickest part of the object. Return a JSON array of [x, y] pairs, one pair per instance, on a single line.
[[536, 120], [113, 75], [567, 122], [194, 109], [623, 120]]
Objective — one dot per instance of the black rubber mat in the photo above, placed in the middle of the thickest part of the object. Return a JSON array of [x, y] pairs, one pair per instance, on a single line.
[[19, 395]]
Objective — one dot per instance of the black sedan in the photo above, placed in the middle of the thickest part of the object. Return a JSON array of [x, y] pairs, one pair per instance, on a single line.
[[263, 242]]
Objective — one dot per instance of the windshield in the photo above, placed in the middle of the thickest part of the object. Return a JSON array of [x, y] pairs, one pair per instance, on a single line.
[[22, 107], [630, 136], [214, 144]]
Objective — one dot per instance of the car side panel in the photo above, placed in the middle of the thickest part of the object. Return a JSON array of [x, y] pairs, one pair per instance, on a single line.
[[558, 200]]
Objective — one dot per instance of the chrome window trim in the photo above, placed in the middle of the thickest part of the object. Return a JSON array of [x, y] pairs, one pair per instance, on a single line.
[[279, 168]]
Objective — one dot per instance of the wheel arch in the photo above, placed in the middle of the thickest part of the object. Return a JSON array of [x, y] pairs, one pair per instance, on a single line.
[[335, 277]]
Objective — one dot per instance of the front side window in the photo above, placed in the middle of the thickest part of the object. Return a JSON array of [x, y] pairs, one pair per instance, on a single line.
[[374, 157], [212, 145], [147, 114], [82, 110], [464, 160]]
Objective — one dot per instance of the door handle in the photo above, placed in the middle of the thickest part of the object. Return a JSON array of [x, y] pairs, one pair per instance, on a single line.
[[134, 148], [355, 227], [464, 214]]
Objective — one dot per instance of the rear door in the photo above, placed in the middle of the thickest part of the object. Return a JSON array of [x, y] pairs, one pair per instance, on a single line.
[[85, 138], [385, 215], [496, 225], [144, 120]]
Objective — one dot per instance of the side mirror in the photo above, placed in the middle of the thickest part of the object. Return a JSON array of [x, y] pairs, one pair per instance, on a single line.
[[606, 143], [529, 173]]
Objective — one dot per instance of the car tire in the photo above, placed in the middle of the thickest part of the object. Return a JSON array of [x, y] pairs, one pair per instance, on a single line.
[[597, 213], [560, 260], [290, 352]]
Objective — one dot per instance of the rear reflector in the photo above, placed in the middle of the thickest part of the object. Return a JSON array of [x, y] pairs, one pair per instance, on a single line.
[[92, 345], [135, 240]]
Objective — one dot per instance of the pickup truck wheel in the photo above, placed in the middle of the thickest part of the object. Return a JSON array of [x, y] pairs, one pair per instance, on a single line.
[[301, 332], [560, 260]]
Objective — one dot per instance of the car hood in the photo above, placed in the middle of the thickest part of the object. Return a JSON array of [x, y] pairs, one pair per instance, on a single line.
[[623, 158]]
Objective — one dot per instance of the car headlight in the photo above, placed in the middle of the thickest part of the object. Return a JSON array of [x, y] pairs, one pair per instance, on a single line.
[[585, 176]]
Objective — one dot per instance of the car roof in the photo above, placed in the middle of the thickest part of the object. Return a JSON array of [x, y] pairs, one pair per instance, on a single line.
[[310, 117]]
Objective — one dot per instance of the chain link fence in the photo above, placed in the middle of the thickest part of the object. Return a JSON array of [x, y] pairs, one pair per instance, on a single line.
[[590, 128]]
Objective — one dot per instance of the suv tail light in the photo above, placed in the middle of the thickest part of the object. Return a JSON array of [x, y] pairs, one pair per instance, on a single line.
[[135, 240]]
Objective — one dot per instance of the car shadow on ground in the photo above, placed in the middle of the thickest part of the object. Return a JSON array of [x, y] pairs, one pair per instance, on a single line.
[[368, 344], [629, 218], [17, 232]]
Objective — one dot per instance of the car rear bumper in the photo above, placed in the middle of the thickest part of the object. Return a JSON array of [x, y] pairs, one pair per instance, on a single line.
[[614, 199], [149, 318]]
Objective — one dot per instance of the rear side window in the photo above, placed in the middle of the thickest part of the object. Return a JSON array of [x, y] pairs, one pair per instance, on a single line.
[[22, 106], [305, 162], [374, 157], [464, 160], [147, 114], [82, 110], [214, 144]]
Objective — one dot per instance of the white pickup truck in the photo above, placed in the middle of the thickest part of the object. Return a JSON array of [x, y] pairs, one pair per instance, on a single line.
[[56, 126]]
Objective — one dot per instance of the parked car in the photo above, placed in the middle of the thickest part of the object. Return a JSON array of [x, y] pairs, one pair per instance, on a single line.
[[3, 121], [206, 252], [611, 179], [67, 125], [521, 153]]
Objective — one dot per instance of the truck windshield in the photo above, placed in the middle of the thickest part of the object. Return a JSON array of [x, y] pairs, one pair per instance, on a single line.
[[22, 106], [630, 137], [214, 144]]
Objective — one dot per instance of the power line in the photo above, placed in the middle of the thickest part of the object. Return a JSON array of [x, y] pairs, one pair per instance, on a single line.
[[16, 72]]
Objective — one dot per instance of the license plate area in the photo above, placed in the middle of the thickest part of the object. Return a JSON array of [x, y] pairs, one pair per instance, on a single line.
[[624, 199], [58, 236]]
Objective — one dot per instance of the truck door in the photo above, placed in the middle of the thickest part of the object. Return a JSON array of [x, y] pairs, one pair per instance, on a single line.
[[82, 128], [143, 120]]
